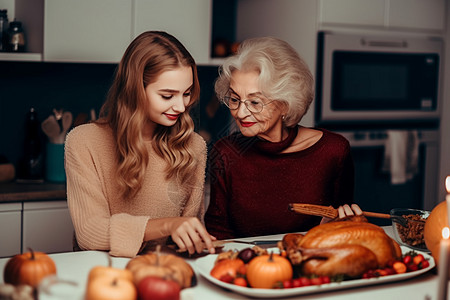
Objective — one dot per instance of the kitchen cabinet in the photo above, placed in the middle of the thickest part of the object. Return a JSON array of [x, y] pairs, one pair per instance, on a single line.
[[352, 12], [294, 22], [10, 229], [86, 30], [101, 30], [189, 21], [47, 226], [384, 14]]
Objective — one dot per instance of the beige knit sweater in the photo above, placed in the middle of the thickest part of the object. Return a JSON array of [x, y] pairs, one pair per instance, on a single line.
[[104, 221]]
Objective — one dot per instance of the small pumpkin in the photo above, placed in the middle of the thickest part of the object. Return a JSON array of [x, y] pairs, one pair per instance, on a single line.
[[110, 288], [166, 266], [227, 266], [107, 282], [109, 271], [434, 224], [28, 268], [265, 271]]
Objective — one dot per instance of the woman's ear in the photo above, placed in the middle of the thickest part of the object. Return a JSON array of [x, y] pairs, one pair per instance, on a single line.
[[284, 107]]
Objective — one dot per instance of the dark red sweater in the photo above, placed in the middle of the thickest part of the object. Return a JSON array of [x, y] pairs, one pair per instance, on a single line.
[[252, 184]]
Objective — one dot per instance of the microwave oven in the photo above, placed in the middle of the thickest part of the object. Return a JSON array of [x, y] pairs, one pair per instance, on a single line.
[[368, 79]]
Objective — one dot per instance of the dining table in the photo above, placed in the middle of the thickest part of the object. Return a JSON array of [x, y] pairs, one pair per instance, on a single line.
[[74, 267]]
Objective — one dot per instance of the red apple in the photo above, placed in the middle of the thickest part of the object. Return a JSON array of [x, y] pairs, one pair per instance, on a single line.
[[156, 288]]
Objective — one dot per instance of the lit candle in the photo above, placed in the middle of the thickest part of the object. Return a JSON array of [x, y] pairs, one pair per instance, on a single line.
[[443, 264], [447, 198]]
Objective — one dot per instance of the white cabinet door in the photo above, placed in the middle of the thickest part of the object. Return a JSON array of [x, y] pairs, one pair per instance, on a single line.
[[86, 30], [189, 21], [10, 229], [392, 14], [352, 12], [294, 22], [417, 14], [47, 227]]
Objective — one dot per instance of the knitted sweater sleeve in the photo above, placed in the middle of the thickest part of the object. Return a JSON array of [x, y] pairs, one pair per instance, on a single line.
[[217, 218], [95, 227], [195, 205]]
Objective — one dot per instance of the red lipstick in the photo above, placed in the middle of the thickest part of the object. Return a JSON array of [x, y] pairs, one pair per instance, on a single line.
[[172, 117], [247, 124]]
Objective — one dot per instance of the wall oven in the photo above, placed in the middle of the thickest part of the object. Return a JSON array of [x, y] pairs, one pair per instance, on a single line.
[[367, 79], [374, 190], [377, 91]]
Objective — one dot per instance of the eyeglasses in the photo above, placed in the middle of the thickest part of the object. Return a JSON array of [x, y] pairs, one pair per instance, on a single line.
[[254, 105]]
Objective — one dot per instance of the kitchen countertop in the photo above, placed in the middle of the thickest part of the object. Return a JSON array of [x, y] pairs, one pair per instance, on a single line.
[[23, 192]]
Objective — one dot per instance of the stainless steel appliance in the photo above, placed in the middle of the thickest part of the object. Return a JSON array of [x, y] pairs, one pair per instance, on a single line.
[[374, 190], [371, 86], [377, 79]]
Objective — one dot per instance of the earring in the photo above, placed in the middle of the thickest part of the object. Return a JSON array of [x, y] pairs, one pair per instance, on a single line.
[[283, 117]]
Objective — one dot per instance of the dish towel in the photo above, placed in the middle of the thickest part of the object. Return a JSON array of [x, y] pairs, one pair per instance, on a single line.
[[401, 155]]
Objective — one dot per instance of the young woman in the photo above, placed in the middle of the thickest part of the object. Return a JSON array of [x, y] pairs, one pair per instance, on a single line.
[[136, 176], [272, 161]]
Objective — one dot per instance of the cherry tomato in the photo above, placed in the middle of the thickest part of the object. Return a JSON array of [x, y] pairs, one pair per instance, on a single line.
[[418, 259], [390, 271], [407, 259], [287, 284], [316, 281], [325, 279], [425, 264], [413, 267], [240, 281], [296, 282], [399, 267], [305, 281]]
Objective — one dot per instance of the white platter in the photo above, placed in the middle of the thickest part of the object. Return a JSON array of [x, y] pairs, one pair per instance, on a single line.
[[206, 263]]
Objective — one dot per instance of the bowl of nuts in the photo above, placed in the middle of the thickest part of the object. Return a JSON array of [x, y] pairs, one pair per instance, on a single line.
[[408, 226]]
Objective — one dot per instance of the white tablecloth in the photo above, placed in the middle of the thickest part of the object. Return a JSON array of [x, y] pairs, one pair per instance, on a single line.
[[75, 266]]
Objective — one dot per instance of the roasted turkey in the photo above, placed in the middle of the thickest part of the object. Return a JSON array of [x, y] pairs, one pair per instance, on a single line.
[[348, 247]]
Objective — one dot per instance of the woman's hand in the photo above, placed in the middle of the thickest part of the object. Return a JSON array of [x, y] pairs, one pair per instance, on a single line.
[[345, 211], [187, 232], [190, 234]]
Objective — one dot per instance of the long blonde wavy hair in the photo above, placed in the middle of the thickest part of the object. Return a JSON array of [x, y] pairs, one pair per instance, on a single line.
[[126, 111]]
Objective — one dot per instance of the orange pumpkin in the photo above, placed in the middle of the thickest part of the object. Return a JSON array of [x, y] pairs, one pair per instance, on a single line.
[[110, 288], [265, 270], [109, 271], [28, 268], [106, 282], [166, 266], [227, 266], [434, 224]]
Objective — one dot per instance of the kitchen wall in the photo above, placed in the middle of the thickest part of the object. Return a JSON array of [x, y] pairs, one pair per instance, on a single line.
[[445, 119], [296, 21], [77, 88]]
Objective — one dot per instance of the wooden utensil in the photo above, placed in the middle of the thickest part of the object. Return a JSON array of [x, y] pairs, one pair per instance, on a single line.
[[51, 128], [332, 213]]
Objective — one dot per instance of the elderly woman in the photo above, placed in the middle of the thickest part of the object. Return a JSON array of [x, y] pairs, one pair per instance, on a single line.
[[272, 161]]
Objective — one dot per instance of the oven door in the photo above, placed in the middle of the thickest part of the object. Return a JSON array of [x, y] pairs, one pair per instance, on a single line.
[[374, 190]]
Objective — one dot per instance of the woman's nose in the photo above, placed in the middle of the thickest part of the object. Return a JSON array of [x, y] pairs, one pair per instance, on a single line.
[[178, 105], [242, 111]]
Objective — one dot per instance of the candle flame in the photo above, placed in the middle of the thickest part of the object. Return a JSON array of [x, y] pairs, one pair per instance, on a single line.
[[445, 233], [447, 184]]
